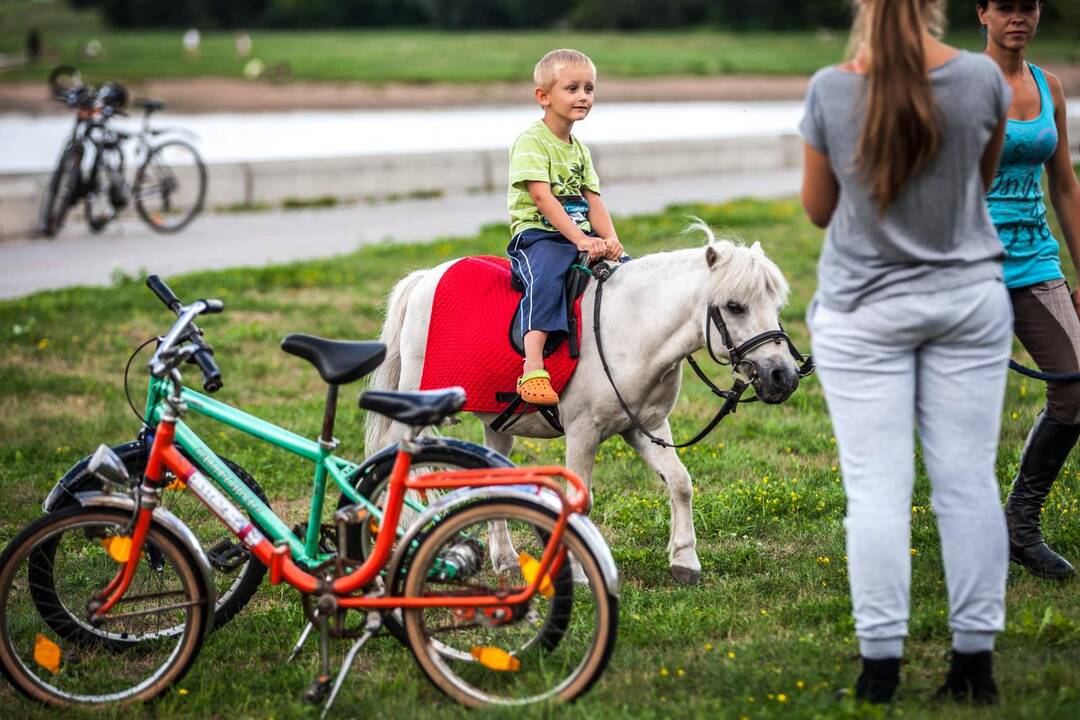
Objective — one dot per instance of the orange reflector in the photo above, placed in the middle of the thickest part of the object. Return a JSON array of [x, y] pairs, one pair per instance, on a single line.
[[530, 566], [119, 548], [47, 653], [495, 659], [156, 218]]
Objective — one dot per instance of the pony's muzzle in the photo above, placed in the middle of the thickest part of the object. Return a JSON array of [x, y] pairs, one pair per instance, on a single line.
[[774, 380]]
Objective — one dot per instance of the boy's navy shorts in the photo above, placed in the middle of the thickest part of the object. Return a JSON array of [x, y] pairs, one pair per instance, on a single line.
[[540, 259]]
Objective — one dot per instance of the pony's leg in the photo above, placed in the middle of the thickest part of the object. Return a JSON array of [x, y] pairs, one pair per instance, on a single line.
[[581, 444], [503, 555], [682, 547]]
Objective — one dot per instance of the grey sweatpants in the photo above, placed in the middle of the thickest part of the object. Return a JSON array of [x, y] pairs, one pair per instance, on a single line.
[[933, 363]]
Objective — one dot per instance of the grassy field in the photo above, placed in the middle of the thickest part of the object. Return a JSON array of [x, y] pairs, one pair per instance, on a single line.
[[416, 56], [767, 634]]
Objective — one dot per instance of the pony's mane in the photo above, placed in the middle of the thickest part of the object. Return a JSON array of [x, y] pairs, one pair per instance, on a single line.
[[744, 272]]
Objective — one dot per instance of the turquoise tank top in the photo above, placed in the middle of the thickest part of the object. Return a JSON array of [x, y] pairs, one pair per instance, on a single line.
[[1015, 199]]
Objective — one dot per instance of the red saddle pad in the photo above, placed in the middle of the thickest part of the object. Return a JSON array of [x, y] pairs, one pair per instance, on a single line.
[[468, 340]]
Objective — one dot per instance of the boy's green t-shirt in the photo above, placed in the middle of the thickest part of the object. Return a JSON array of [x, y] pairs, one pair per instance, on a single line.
[[538, 155]]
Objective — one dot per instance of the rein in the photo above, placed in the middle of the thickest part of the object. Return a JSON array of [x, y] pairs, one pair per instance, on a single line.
[[1045, 377], [731, 397]]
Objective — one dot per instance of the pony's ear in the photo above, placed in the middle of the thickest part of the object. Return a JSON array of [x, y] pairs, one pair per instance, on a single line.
[[756, 247], [710, 256]]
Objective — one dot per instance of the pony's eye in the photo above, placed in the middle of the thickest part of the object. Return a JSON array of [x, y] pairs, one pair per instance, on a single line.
[[735, 308]]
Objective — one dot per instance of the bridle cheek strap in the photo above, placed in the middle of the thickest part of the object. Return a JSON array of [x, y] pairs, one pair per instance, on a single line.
[[737, 355]]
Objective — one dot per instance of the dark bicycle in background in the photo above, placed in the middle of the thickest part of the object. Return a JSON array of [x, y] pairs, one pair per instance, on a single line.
[[168, 188]]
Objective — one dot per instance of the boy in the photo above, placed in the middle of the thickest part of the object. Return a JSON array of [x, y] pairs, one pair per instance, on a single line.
[[555, 209]]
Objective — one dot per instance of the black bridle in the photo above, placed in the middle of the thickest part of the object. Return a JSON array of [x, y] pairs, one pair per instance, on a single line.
[[736, 357]]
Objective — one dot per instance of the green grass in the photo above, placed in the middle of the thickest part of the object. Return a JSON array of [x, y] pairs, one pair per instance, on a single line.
[[767, 634], [420, 56]]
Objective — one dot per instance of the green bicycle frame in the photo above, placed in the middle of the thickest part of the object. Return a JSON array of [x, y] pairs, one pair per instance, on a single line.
[[326, 465]]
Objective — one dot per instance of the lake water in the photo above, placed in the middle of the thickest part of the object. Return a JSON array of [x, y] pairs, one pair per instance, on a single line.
[[31, 143]]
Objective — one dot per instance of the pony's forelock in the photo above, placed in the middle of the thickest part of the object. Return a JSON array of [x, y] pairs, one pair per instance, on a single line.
[[743, 272]]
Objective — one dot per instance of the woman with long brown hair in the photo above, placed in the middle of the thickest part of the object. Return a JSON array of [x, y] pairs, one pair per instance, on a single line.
[[1046, 319], [911, 324]]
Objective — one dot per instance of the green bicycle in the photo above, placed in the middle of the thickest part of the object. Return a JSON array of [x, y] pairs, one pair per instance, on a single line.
[[237, 575]]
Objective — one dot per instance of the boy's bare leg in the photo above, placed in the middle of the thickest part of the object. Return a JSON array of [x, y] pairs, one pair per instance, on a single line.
[[534, 350]]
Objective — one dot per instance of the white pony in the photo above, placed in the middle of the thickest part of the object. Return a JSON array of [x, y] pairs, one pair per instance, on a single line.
[[654, 313]]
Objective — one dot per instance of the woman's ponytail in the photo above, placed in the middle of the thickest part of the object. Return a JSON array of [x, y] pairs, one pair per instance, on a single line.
[[901, 133]]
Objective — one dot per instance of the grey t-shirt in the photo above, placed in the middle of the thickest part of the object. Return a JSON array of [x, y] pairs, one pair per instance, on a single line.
[[937, 234]]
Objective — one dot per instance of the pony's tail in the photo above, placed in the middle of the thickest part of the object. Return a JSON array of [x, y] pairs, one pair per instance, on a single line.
[[388, 374]]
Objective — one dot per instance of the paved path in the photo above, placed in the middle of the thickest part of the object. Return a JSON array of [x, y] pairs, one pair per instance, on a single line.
[[263, 238]]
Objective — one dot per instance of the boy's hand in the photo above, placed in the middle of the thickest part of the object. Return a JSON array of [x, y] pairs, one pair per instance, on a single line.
[[595, 246], [614, 248]]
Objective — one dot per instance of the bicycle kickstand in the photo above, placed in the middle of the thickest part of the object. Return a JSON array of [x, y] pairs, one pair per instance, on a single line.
[[318, 687], [374, 622]]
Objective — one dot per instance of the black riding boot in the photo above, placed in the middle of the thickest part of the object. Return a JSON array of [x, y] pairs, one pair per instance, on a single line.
[[878, 680], [970, 678], [1044, 453]]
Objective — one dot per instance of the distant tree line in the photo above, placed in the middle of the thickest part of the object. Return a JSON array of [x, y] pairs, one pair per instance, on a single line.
[[480, 14]]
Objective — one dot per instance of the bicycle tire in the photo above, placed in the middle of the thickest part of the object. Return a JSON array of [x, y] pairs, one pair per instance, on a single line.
[[168, 183], [59, 196], [100, 188], [87, 669], [456, 672], [247, 578]]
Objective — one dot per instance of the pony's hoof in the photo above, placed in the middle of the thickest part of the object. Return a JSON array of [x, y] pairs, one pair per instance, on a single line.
[[685, 576]]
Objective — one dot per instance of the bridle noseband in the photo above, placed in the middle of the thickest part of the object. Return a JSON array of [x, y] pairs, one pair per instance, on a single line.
[[737, 355], [736, 358]]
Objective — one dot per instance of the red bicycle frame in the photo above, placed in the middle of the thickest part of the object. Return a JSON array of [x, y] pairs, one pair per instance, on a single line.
[[165, 456]]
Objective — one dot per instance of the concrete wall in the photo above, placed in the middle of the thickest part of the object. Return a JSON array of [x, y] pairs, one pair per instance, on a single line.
[[380, 176]]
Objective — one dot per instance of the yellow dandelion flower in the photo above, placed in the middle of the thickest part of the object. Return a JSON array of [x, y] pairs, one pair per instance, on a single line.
[[781, 698], [731, 654], [800, 684], [680, 672], [663, 672], [708, 647], [182, 691], [764, 612], [914, 552], [43, 343]]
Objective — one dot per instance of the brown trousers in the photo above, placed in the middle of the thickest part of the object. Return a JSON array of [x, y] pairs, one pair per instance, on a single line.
[[1047, 326]]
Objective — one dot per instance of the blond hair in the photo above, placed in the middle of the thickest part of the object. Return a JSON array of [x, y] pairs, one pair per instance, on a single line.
[[901, 134], [548, 68]]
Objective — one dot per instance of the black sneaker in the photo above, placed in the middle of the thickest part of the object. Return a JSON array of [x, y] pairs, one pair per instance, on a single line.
[[878, 680], [970, 679]]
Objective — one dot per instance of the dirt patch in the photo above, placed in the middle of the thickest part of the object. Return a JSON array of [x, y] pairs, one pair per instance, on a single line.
[[46, 407], [231, 95]]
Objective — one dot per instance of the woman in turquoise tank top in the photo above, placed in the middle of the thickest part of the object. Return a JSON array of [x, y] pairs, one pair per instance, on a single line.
[[1046, 314]]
